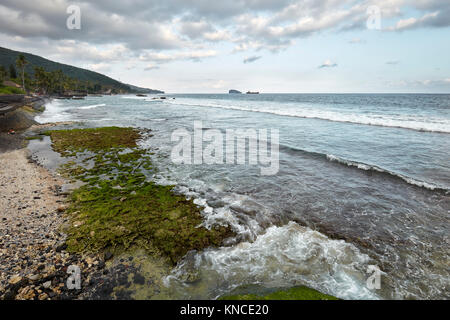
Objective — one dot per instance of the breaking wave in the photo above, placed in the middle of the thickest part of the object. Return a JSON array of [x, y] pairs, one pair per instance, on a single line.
[[285, 256], [369, 167], [92, 106], [436, 125]]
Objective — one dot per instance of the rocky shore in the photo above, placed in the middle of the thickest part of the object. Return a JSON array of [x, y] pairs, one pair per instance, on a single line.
[[32, 251], [35, 216], [33, 256], [123, 233]]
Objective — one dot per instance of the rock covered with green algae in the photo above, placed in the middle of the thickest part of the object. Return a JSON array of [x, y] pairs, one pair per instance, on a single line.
[[295, 293], [118, 207], [70, 142]]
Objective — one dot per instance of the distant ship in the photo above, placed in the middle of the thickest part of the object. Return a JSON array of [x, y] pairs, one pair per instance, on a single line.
[[252, 92]]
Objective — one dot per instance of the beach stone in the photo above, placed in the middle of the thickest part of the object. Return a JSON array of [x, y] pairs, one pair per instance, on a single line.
[[61, 247], [108, 255], [15, 279], [34, 277], [78, 223], [139, 279], [89, 260], [43, 296], [47, 284]]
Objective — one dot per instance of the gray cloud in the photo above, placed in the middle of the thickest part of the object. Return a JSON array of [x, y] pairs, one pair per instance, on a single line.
[[435, 14], [251, 59], [178, 29], [151, 67], [327, 64]]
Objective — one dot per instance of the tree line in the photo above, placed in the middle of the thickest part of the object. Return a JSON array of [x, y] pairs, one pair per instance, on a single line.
[[47, 82]]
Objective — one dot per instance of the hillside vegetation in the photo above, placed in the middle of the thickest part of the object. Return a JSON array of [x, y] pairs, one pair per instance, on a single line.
[[88, 78]]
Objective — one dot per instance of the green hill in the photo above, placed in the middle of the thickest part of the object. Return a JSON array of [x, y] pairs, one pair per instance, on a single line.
[[8, 57]]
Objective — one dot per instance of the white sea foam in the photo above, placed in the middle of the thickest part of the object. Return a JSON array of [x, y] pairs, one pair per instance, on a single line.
[[134, 97], [92, 106], [395, 121], [287, 256], [54, 112]]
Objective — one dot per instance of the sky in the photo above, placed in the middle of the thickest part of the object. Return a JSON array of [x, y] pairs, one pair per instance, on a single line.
[[271, 46]]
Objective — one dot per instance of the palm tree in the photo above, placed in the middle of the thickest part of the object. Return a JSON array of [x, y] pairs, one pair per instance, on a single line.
[[21, 62], [42, 81], [2, 75]]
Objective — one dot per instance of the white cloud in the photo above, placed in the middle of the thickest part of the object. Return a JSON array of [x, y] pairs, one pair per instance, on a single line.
[[356, 41], [160, 58], [84, 51], [99, 67], [411, 23]]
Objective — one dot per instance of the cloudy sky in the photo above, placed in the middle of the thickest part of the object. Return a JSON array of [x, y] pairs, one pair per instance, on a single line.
[[266, 45]]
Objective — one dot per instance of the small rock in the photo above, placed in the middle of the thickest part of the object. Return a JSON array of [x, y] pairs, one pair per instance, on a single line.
[[43, 296], [108, 255], [47, 284], [139, 279], [61, 247], [77, 223], [15, 279], [34, 277]]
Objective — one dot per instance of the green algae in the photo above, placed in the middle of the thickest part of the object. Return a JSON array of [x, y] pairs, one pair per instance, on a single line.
[[295, 293], [38, 137], [70, 142], [118, 208], [152, 269]]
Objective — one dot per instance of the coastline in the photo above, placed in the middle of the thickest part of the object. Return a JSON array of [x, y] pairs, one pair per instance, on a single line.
[[32, 250], [34, 242], [37, 233]]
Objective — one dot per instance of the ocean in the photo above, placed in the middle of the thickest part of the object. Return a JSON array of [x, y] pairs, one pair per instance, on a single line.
[[363, 181]]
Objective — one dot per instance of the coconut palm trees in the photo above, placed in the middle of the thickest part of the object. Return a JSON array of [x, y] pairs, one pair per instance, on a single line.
[[3, 74], [21, 62]]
